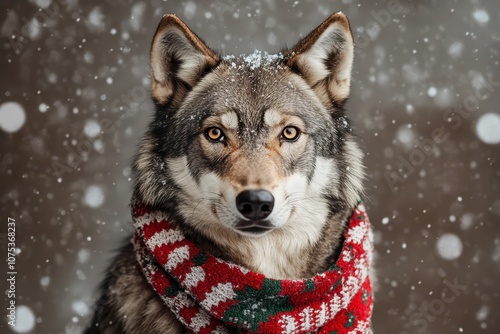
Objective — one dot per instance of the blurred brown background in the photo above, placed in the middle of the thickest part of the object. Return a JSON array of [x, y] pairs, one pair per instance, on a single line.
[[74, 79]]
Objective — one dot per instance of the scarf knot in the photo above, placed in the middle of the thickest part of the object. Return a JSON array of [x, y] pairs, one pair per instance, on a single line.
[[209, 295]]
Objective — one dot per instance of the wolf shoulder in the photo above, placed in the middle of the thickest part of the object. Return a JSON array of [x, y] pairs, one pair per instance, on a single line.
[[128, 304]]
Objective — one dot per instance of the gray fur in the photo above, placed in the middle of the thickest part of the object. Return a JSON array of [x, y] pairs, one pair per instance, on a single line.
[[248, 86]]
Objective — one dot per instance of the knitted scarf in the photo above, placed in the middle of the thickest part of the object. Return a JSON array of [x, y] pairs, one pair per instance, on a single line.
[[209, 295]]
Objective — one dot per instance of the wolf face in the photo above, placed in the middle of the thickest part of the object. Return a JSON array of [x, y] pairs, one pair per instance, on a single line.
[[251, 158], [251, 145]]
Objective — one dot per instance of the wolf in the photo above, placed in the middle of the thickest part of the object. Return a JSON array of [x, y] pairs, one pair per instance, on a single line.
[[253, 158]]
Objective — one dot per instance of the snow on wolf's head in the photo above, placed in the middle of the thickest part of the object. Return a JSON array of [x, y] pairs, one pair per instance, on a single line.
[[252, 144]]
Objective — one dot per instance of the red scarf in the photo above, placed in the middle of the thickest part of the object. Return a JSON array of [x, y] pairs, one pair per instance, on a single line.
[[209, 295]]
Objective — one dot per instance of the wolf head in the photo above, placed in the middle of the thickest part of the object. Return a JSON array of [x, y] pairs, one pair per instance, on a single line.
[[251, 144]]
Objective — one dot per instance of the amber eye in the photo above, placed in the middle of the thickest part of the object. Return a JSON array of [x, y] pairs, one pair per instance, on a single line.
[[290, 133], [214, 134]]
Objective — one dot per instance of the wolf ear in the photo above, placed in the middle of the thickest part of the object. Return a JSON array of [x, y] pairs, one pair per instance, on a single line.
[[324, 58], [178, 60]]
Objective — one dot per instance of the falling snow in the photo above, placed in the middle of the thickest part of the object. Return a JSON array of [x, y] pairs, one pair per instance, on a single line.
[[189, 10], [92, 128], [25, 319], [406, 136], [43, 107], [432, 91], [449, 246], [455, 49], [12, 117], [94, 196], [424, 105], [80, 308], [481, 16], [95, 20], [488, 128]]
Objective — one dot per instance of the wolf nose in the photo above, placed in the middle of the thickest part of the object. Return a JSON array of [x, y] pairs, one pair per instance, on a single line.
[[255, 204]]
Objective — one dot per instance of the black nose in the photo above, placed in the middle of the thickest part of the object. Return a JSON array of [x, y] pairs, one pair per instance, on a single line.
[[255, 204]]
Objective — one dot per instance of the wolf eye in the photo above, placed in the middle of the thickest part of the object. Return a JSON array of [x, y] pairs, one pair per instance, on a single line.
[[290, 133], [214, 134]]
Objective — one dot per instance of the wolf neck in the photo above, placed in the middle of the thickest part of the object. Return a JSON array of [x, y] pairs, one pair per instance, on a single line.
[[292, 252]]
